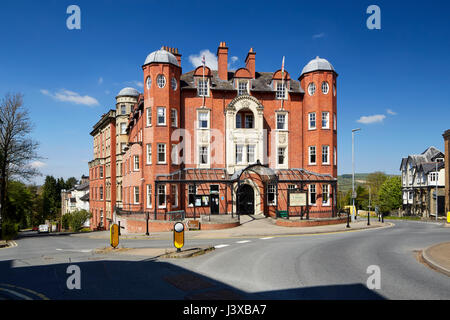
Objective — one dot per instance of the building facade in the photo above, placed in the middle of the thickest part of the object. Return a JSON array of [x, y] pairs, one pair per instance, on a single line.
[[422, 174], [446, 136], [76, 198], [222, 141]]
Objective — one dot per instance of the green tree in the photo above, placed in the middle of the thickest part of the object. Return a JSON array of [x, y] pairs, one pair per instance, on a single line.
[[374, 181], [390, 195], [70, 183], [77, 219], [19, 203]]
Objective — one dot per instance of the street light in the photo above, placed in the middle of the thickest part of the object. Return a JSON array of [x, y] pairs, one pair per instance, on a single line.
[[437, 178], [353, 172]]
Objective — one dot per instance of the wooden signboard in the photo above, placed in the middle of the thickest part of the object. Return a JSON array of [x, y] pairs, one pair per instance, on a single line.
[[193, 224], [297, 199]]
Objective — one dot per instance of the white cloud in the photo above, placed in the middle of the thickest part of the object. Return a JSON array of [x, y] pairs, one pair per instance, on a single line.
[[210, 59], [318, 35], [100, 80], [70, 96], [389, 111], [371, 119], [37, 164]]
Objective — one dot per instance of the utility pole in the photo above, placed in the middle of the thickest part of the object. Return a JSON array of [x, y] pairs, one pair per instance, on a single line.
[[353, 174]]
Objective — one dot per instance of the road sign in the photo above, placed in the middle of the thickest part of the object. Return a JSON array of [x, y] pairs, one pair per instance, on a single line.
[[114, 235], [178, 235], [354, 195]]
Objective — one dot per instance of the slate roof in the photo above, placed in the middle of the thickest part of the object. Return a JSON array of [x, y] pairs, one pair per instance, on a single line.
[[85, 197], [82, 186], [430, 167], [261, 83], [427, 156]]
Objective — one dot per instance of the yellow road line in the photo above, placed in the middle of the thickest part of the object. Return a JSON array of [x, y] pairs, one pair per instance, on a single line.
[[22, 296]]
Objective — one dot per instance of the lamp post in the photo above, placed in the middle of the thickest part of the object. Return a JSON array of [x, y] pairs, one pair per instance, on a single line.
[[368, 214], [353, 172], [437, 178]]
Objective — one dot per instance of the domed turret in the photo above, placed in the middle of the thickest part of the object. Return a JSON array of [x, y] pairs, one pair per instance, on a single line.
[[128, 92], [161, 56], [316, 65]]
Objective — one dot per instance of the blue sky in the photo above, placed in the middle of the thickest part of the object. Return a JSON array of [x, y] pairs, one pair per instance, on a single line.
[[70, 77]]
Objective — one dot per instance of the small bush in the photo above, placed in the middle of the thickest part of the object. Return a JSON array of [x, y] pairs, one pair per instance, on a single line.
[[77, 219], [9, 230], [65, 221]]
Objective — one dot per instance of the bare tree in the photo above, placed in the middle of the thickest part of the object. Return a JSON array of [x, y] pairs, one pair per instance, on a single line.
[[17, 149]]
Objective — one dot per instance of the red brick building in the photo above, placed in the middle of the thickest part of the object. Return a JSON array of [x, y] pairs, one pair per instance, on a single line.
[[222, 141]]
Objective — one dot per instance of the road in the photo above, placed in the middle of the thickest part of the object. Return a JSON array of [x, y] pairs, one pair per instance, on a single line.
[[326, 266]]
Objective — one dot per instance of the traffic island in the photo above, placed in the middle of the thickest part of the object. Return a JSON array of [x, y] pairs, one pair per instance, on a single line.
[[438, 257], [166, 253], [297, 222]]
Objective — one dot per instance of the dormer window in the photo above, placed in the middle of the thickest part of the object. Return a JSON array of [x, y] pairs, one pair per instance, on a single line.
[[242, 87], [281, 90], [202, 87]]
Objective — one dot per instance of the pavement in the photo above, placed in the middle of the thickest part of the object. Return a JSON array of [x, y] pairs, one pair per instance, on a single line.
[[251, 226], [438, 257]]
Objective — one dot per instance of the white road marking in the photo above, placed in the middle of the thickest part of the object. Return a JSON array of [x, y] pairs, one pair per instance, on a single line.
[[243, 241], [266, 238], [221, 246], [83, 250]]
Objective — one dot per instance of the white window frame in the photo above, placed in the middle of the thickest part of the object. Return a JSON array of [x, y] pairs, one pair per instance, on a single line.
[[136, 163], [159, 152], [134, 195], [311, 88], [148, 82], [325, 87], [158, 116], [149, 196], [326, 151], [165, 196], [312, 187], [334, 121], [123, 128], [200, 120], [149, 116], [241, 146], [285, 121], [200, 149], [326, 187], [335, 156], [149, 153], [309, 155], [281, 92], [173, 117], [283, 153], [161, 81], [242, 91], [251, 146], [274, 192], [327, 118], [193, 192], [123, 109], [201, 87], [310, 121]]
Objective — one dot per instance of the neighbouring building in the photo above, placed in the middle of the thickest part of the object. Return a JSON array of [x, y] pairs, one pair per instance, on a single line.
[[446, 136], [76, 198], [218, 142], [421, 174]]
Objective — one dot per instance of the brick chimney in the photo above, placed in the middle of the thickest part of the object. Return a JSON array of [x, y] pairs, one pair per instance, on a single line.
[[222, 61], [174, 51], [250, 62]]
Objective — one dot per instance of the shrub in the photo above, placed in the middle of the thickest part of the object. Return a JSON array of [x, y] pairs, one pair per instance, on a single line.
[[65, 221], [9, 230], [77, 219]]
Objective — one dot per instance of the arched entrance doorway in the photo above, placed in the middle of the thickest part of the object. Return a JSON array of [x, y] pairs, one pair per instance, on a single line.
[[246, 199]]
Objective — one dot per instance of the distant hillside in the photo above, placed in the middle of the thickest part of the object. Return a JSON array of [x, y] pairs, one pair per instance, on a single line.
[[345, 180]]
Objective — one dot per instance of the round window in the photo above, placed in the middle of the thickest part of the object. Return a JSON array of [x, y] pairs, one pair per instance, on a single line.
[[161, 80], [311, 88], [325, 87], [149, 82], [174, 84]]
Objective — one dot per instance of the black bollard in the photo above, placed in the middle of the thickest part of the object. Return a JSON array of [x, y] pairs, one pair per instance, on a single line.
[[348, 219]]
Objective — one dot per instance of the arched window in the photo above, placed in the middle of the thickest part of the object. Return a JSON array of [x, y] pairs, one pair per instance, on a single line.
[[245, 119]]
